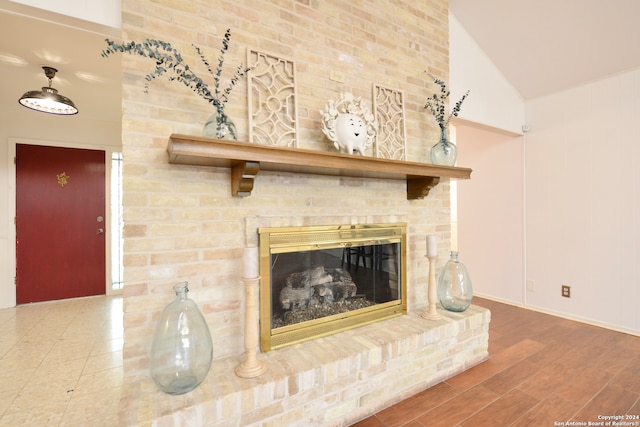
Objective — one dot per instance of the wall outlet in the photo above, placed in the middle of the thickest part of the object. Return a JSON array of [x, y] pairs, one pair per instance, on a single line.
[[566, 291], [531, 285]]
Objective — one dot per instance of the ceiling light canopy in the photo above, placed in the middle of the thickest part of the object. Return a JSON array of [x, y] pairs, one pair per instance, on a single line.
[[48, 100]]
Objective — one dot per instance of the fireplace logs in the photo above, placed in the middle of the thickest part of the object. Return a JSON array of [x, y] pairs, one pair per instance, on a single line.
[[316, 286], [316, 293]]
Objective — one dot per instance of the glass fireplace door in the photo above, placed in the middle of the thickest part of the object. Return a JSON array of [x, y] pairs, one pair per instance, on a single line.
[[324, 280]]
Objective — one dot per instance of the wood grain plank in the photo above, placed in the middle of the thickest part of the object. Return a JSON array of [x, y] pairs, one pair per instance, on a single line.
[[417, 405], [459, 408], [511, 377], [548, 412], [611, 400], [503, 411], [629, 376]]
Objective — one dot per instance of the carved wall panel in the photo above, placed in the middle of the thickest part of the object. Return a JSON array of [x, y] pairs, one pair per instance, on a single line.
[[272, 100], [388, 106]]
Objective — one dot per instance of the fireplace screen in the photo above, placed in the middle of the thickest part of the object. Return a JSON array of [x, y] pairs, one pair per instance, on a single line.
[[321, 280]]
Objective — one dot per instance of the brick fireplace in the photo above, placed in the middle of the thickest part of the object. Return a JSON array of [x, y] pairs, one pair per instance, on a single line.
[[332, 380], [182, 222]]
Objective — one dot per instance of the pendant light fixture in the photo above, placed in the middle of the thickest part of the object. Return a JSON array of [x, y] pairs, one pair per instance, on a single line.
[[48, 100]]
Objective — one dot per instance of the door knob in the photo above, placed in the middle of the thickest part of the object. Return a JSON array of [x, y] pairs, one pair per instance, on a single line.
[[100, 230]]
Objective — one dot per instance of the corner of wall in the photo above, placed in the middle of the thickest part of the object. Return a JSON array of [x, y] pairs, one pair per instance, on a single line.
[[492, 101]]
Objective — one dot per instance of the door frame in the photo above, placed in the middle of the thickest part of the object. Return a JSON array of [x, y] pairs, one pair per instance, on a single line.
[[11, 167]]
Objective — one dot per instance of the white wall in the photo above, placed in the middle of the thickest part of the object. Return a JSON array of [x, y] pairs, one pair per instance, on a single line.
[[493, 101], [583, 202], [490, 209], [491, 212], [103, 12]]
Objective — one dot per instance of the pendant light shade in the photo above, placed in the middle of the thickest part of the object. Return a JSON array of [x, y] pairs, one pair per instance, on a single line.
[[48, 100]]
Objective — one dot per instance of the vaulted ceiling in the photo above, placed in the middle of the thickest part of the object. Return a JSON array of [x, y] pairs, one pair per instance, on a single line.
[[540, 46], [546, 46]]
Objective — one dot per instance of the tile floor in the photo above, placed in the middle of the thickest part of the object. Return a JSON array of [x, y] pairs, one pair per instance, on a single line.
[[61, 363]]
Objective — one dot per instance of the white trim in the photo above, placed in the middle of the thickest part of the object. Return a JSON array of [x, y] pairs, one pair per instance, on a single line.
[[525, 263], [561, 315], [12, 142]]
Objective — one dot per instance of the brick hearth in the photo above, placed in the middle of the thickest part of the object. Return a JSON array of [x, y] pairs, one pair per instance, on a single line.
[[331, 381]]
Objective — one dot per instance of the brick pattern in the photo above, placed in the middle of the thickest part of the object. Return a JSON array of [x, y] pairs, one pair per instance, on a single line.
[[332, 381], [181, 222]]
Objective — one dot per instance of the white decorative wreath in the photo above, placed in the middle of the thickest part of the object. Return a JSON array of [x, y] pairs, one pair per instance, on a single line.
[[349, 124]]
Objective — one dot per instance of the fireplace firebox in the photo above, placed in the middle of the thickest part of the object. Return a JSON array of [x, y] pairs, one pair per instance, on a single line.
[[321, 280]]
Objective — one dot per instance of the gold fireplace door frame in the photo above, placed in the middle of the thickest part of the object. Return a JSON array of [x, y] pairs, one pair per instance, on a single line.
[[299, 239]]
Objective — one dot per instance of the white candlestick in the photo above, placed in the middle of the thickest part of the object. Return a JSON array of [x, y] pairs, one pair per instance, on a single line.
[[250, 263], [432, 245], [432, 293], [251, 367]]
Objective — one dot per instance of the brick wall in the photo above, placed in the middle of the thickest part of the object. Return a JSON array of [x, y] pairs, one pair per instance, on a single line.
[[181, 222]]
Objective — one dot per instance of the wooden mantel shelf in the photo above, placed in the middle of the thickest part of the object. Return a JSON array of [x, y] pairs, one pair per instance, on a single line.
[[245, 161]]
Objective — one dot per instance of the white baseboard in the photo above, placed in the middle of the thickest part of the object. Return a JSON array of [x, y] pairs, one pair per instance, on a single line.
[[561, 314]]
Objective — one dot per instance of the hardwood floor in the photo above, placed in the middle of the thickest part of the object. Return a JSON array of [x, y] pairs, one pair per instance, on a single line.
[[542, 371]]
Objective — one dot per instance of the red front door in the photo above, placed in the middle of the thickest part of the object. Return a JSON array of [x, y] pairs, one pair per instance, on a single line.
[[60, 225]]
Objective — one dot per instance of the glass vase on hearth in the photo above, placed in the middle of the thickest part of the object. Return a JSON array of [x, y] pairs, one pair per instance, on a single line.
[[454, 285], [444, 152], [182, 349]]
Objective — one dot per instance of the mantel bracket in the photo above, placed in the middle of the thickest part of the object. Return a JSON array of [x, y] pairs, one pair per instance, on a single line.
[[418, 188], [242, 177]]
